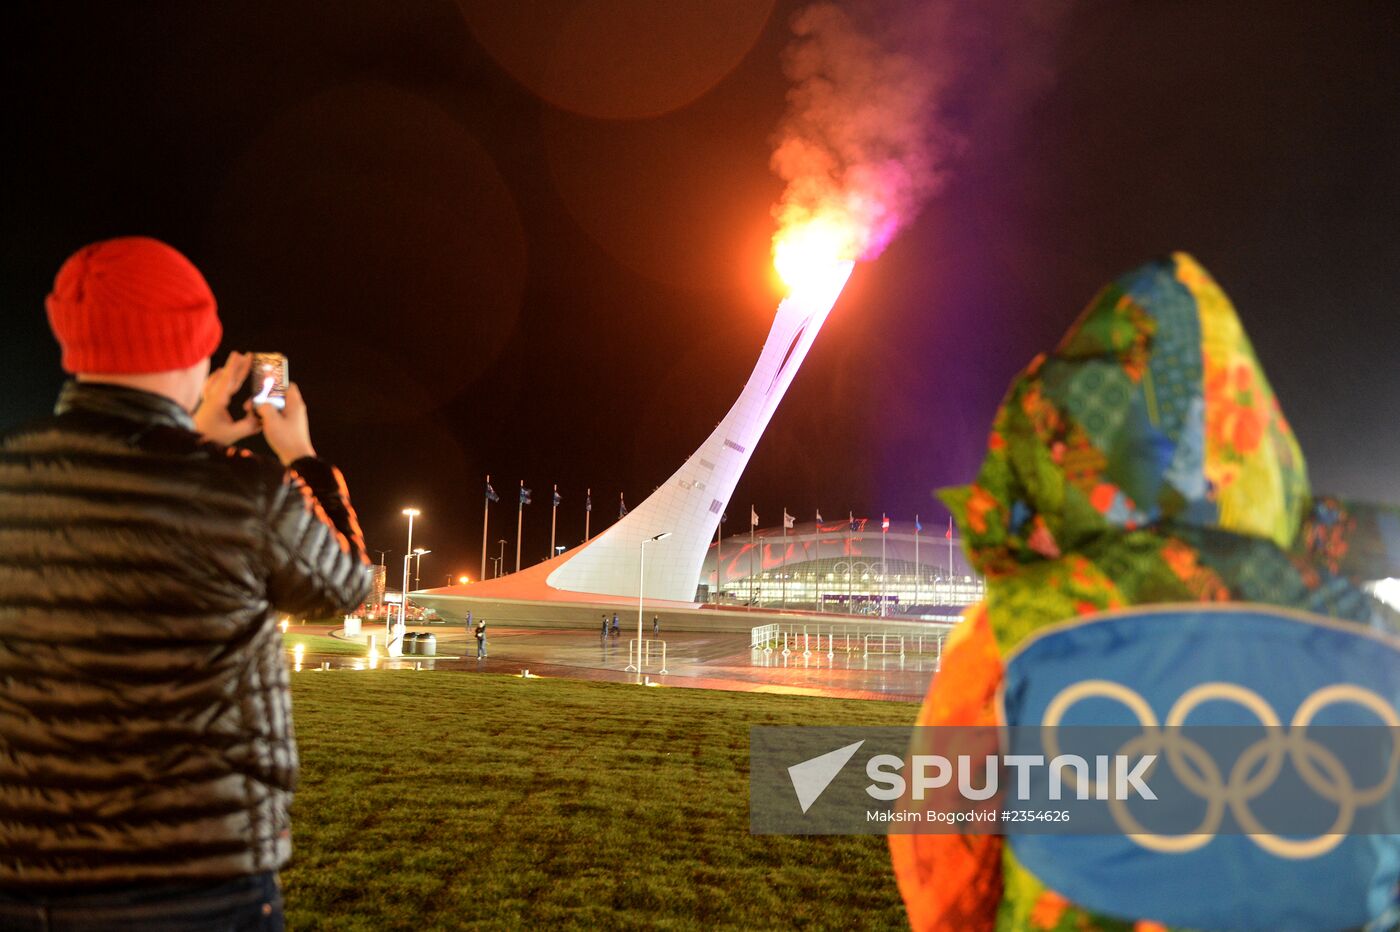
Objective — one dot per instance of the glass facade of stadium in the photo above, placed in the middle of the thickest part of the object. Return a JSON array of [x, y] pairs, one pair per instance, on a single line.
[[835, 567]]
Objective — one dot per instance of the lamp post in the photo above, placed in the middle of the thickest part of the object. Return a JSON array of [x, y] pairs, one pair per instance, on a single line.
[[411, 513], [418, 563], [641, 589], [501, 560]]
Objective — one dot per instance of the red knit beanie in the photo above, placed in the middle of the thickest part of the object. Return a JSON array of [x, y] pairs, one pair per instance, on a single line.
[[132, 305]]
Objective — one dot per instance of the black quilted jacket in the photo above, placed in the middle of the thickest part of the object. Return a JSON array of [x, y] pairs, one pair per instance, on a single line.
[[145, 721]]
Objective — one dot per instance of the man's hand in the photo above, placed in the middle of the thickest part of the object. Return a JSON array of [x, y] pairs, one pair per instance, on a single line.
[[287, 431], [212, 418]]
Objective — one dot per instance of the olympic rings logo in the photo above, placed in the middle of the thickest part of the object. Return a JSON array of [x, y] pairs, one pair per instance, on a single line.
[[1318, 766]]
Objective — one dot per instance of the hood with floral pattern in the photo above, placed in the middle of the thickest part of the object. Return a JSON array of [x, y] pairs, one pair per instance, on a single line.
[[1146, 459]]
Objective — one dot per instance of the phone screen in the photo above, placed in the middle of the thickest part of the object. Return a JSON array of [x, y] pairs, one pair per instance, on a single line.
[[268, 379]]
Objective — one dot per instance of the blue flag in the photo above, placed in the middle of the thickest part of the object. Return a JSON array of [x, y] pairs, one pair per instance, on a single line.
[[621, 507], [491, 495], [917, 526], [588, 502], [524, 495], [557, 499]]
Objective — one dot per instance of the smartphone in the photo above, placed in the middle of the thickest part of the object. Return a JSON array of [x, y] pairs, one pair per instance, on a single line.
[[267, 380]]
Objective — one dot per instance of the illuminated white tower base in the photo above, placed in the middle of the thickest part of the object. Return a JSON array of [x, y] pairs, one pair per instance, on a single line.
[[688, 504]]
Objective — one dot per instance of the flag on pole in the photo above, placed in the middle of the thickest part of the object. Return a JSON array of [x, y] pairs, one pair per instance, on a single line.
[[949, 535], [588, 502], [917, 526], [723, 517], [557, 499], [884, 523], [789, 521], [854, 524], [491, 495], [621, 506], [524, 495], [753, 517], [819, 516]]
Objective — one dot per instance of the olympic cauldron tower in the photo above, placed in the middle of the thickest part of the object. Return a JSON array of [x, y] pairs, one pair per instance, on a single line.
[[690, 503]]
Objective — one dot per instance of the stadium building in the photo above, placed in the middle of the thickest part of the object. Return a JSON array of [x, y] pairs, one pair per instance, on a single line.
[[848, 567]]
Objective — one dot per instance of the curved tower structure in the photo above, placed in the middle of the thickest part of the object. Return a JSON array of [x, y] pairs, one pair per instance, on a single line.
[[689, 504]]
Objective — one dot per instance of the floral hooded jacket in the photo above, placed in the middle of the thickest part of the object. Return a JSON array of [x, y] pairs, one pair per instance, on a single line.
[[1144, 460]]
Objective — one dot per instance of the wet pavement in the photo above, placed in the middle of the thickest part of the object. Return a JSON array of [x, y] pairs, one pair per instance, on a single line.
[[722, 661]]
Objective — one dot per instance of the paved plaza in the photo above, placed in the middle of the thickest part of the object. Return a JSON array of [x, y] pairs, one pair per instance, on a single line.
[[710, 660]]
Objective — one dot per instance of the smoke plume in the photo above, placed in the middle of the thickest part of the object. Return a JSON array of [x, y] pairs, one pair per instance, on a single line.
[[870, 131]]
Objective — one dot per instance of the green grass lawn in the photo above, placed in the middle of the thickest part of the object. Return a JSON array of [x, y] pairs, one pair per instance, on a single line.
[[447, 800], [325, 644]]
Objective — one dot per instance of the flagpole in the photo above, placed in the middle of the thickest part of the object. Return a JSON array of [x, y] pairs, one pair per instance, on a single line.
[[587, 514], [850, 559], [784, 563], [950, 558], [485, 523], [519, 524], [817, 595], [752, 524], [916, 559], [719, 557], [884, 568], [553, 520]]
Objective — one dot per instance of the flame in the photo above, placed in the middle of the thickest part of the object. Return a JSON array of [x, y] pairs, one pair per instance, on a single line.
[[812, 251]]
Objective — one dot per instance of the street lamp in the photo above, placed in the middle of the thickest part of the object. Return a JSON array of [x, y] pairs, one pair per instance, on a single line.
[[463, 580], [411, 513], [501, 560], [641, 587], [417, 564]]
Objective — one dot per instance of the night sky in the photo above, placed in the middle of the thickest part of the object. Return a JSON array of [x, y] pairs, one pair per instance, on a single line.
[[535, 243]]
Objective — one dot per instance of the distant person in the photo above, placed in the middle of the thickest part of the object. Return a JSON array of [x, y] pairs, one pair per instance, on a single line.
[[615, 628], [605, 625], [481, 639], [147, 561], [468, 624], [655, 625]]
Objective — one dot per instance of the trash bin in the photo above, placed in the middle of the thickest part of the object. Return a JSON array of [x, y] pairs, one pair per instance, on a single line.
[[427, 644], [410, 644]]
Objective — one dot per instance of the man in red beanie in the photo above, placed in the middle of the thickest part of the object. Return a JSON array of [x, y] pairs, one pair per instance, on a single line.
[[147, 759]]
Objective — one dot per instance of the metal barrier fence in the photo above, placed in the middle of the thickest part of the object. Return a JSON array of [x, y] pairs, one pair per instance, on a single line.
[[764, 635], [865, 639], [638, 660], [883, 644]]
